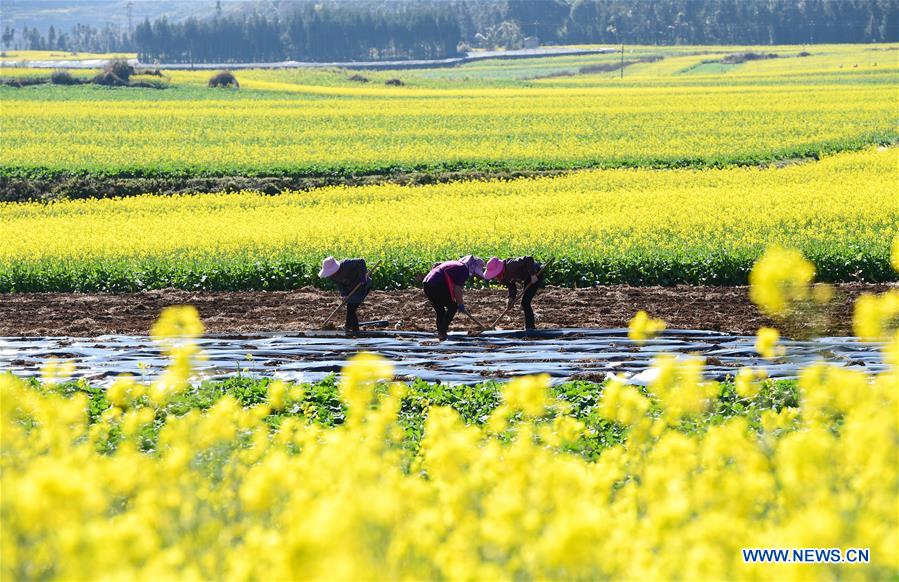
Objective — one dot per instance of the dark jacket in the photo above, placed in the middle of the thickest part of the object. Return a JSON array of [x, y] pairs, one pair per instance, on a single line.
[[447, 274], [351, 273], [519, 270]]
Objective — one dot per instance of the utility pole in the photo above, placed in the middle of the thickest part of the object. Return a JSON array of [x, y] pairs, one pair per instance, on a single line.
[[128, 8]]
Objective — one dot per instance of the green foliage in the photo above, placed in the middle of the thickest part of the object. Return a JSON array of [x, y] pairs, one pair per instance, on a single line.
[[321, 404], [852, 261]]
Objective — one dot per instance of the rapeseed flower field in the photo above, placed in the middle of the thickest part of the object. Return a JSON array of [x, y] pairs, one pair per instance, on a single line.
[[162, 479], [604, 226], [778, 172], [319, 123], [374, 130]]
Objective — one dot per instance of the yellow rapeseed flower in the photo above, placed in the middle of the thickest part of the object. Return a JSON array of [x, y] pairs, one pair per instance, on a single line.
[[622, 403], [766, 342], [277, 395], [894, 254], [778, 279], [746, 382], [876, 317], [55, 370], [177, 322], [642, 327]]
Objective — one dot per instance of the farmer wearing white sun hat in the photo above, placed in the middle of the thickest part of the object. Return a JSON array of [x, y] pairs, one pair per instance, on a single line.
[[444, 288], [347, 274], [525, 270]]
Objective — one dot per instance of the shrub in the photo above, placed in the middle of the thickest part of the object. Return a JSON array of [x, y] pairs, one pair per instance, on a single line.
[[22, 81], [61, 77], [394, 82], [120, 68], [224, 79], [108, 79], [738, 58], [116, 73], [359, 78]]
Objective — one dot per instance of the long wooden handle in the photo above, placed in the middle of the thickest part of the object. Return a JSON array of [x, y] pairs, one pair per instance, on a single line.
[[478, 323], [508, 307], [540, 272], [350, 294], [502, 315]]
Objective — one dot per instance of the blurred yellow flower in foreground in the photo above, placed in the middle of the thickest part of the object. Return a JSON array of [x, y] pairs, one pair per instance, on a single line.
[[780, 278], [766, 342], [56, 370], [746, 382], [176, 322], [876, 317], [642, 327]]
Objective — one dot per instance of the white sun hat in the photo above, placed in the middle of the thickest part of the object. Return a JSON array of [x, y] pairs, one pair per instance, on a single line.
[[329, 267], [475, 265]]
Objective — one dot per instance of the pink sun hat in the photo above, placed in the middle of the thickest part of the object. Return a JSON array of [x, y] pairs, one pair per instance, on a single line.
[[475, 265], [495, 268], [329, 267]]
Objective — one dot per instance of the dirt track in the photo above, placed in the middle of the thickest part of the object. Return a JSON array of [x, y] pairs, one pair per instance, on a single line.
[[684, 307]]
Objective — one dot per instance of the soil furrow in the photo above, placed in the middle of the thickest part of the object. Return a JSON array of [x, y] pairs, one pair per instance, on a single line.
[[726, 309]]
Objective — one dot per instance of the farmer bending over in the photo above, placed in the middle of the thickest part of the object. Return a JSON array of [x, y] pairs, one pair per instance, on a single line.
[[444, 285], [511, 271], [347, 274]]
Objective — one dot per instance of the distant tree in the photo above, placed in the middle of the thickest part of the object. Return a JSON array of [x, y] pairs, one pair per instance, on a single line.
[[9, 34], [541, 18], [35, 41], [144, 39]]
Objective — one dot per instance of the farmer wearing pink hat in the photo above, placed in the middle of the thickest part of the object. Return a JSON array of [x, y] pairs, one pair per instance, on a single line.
[[511, 271], [346, 274], [444, 288]]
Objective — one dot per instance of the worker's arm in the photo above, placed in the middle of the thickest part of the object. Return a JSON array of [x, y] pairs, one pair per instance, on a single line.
[[458, 293], [532, 268], [513, 292]]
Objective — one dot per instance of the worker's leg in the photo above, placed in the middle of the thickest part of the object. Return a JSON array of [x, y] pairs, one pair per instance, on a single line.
[[352, 318], [438, 302], [451, 308], [527, 297]]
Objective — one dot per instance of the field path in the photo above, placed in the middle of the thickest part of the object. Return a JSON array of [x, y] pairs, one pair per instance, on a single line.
[[725, 309]]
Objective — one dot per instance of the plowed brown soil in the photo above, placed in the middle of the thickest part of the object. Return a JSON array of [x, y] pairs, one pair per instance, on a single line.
[[725, 309]]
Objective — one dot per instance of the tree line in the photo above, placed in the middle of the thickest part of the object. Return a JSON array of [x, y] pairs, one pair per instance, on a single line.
[[673, 22], [81, 37], [316, 33], [328, 30]]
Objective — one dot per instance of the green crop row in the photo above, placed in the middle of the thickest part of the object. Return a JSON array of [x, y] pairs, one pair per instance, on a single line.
[[852, 263], [321, 404]]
